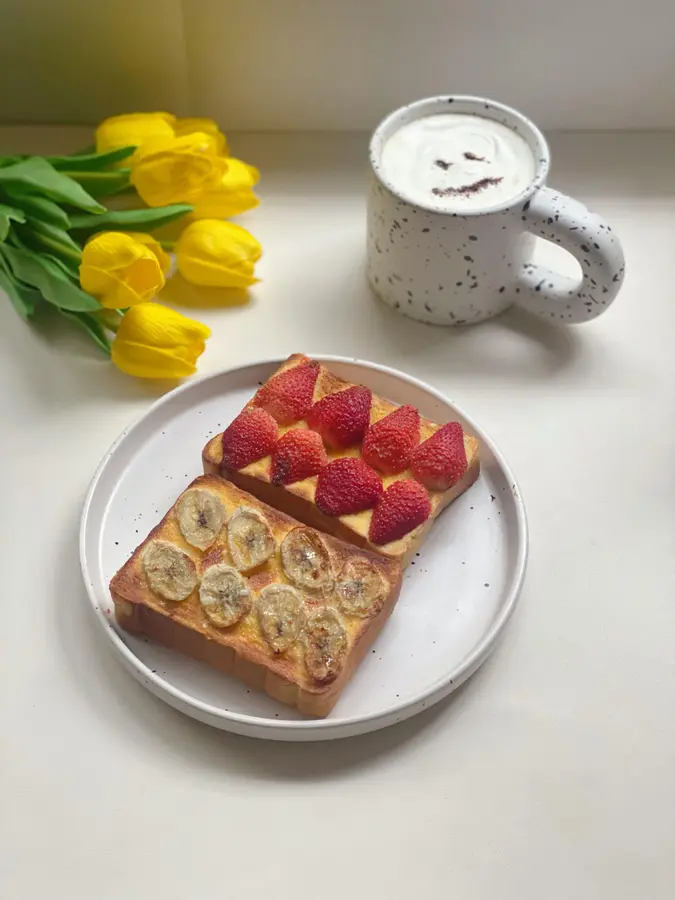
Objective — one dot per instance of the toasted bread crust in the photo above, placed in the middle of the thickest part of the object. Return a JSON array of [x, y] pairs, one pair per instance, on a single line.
[[241, 649], [298, 499]]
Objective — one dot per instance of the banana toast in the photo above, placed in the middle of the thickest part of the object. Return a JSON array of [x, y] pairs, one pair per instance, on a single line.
[[229, 580], [343, 460]]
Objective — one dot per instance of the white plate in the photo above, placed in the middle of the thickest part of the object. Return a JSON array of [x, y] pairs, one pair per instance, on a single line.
[[457, 595]]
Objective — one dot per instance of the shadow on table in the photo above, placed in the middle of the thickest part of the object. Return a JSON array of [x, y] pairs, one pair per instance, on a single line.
[[515, 344], [119, 704], [182, 295], [64, 364]]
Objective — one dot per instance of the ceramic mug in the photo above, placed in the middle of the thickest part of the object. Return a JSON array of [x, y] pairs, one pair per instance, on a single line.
[[452, 268]]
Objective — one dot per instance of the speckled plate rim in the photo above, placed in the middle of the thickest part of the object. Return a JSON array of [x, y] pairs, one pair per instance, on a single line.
[[311, 729]]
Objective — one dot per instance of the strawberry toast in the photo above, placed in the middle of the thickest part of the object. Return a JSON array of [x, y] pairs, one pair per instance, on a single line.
[[343, 460]]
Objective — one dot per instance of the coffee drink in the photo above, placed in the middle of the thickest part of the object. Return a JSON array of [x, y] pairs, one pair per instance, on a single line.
[[457, 162]]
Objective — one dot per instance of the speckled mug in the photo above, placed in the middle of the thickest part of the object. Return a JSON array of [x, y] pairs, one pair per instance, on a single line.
[[449, 268]]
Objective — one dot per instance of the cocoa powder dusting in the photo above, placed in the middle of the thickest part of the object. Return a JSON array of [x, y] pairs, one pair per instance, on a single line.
[[465, 190], [442, 164], [472, 156]]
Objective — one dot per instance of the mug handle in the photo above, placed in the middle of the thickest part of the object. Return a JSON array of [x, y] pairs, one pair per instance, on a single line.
[[564, 221]]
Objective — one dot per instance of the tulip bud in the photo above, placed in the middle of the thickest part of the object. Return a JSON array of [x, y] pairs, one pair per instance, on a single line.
[[176, 169], [213, 253], [232, 196], [119, 270], [153, 341]]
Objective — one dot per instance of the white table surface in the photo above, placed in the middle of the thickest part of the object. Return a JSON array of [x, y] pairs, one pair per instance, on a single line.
[[550, 775]]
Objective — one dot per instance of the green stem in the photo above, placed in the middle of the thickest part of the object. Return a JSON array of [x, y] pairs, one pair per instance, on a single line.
[[64, 249], [110, 318]]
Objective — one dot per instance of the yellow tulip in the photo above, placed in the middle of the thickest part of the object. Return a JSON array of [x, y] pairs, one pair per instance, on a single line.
[[153, 245], [232, 196], [205, 126], [119, 270], [132, 130], [176, 169], [153, 341], [213, 253]]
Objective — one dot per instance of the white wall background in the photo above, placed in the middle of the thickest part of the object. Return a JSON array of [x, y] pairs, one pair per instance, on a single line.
[[324, 64]]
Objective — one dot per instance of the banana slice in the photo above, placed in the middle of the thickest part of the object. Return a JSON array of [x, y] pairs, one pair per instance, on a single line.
[[361, 588], [281, 615], [200, 517], [224, 595], [325, 645], [306, 561], [249, 538], [170, 572]]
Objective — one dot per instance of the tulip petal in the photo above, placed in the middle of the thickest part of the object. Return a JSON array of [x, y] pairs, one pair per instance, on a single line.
[[143, 279], [253, 173], [132, 130], [206, 126], [232, 195], [106, 287], [96, 281], [207, 274], [153, 362], [223, 204], [239, 175], [159, 326], [109, 249], [154, 246], [114, 292]]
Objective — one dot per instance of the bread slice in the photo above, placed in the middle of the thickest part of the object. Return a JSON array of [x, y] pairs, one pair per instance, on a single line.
[[298, 499], [353, 597]]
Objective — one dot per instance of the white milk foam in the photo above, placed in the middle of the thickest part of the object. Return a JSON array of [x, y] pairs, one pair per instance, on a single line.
[[457, 162]]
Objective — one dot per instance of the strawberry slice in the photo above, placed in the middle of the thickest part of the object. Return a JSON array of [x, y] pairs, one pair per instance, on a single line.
[[251, 436], [299, 453], [389, 443], [342, 418], [289, 395], [347, 486], [403, 506], [440, 461]]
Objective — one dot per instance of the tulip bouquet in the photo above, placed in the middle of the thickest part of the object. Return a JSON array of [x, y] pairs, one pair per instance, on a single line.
[[101, 267]]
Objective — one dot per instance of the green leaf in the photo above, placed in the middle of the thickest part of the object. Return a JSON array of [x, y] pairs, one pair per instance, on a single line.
[[70, 267], [15, 240], [9, 214], [49, 278], [16, 215], [27, 241], [102, 184], [38, 207], [36, 175], [89, 162], [91, 325], [53, 238], [131, 219], [23, 298]]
